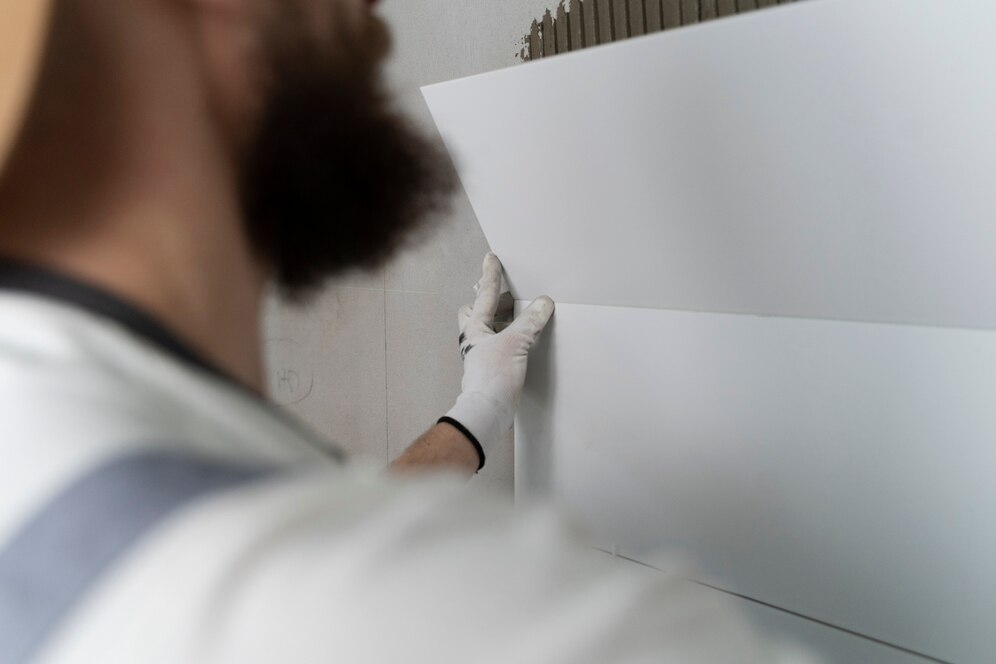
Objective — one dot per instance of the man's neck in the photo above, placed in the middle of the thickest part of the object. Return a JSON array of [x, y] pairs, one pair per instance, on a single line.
[[133, 186], [202, 286], [158, 224]]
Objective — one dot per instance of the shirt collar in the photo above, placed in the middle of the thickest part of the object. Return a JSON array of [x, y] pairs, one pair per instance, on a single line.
[[37, 280], [44, 282]]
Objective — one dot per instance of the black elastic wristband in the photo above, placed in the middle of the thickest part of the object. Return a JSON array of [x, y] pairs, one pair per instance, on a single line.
[[470, 437]]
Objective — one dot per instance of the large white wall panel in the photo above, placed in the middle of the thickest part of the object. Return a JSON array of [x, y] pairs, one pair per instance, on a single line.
[[772, 239], [843, 471], [829, 159]]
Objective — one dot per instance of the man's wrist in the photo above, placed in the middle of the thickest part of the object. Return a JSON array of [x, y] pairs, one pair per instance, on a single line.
[[482, 416], [471, 438]]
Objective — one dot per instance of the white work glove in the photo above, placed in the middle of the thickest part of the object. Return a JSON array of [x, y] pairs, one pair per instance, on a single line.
[[494, 364]]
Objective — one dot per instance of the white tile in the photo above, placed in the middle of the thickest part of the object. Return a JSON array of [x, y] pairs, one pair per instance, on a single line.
[[447, 261], [783, 162], [436, 40], [424, 367], [424, 375], [367, 279], [326, 363], [840, 470]]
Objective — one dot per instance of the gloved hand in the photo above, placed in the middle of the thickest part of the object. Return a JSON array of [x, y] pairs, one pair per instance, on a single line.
[[494, 364]]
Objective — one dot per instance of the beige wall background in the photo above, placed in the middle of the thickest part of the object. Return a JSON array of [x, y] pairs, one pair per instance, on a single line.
[[373, 361]]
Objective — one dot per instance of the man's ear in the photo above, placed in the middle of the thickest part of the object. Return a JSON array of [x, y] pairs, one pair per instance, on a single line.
[[229, 34]]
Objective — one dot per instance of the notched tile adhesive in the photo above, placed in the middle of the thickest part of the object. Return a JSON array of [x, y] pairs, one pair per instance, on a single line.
[[579, 24]]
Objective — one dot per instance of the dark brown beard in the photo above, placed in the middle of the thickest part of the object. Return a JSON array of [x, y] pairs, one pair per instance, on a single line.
[[334, 178]]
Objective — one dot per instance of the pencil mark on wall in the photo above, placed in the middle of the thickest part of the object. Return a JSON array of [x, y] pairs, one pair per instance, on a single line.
[[289, 374], [585, 23]]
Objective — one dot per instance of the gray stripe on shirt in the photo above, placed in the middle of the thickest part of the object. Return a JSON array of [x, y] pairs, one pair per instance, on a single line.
[[48, 566]]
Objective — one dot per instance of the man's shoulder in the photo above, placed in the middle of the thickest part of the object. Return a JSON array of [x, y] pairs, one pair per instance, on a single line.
[[287, 551], [78, 386], [304, 565]]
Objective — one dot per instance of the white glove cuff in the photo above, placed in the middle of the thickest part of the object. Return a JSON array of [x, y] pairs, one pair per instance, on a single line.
[[484, 418]]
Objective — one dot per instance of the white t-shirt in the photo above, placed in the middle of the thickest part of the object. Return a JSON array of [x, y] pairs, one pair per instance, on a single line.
[[310, 561]]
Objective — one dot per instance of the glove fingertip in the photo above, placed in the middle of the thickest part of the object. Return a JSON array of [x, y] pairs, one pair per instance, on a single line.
[[534, 319], [544, 306], [463, 316]]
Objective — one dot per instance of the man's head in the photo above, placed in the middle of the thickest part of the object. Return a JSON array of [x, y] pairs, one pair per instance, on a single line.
[[325, 173], [332, 177]]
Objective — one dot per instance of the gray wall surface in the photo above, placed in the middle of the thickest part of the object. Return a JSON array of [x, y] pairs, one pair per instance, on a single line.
[[373, 361]]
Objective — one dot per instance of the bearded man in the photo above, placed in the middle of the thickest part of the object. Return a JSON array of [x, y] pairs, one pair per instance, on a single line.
[[162, 161]]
